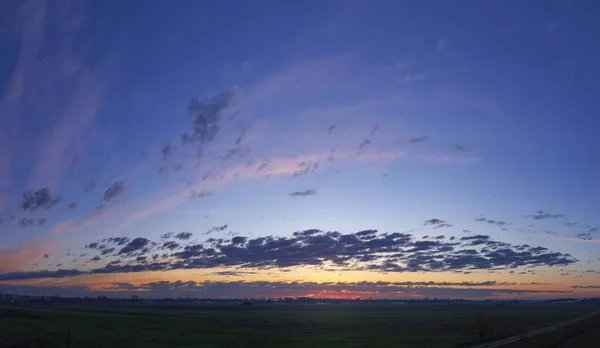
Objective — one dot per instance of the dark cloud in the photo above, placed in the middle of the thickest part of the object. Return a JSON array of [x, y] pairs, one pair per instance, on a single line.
[[234, 273], [374, 130], [331, 128], [461, 148], [34, 200], [364, 144], [96, 258], [367, 250], [417, 140], [206, 118], [73, 205], [93, 245], [217, 229], [436, 223], [542, 215], [304, 193], [170, 245], [491, 222], [45, 256], [114, 190], [118, 240], [167, 150], [41, 221], [135, 245], [236, 152], [305, 167], [238, 240], [107, 251], [24, 222], [184, 235], [584, 236]]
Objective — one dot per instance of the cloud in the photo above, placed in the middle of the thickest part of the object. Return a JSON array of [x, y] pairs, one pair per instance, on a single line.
[[167, 150], [206, 118], [331, 128], [118, 240], [114, 190], [436, 223], [24, 222], [184, 235], [34, 200], [135, 245], [491, 222], [217, 229], [584, 236], [366, 250], [73, 205], [417, 140], [542, 215], [170, 245], [107, 251], [304, 193]]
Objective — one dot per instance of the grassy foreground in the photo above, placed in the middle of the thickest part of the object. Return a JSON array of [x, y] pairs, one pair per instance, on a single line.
[[275, 325]]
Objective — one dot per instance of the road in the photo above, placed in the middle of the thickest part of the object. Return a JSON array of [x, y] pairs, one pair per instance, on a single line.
[[518, 338]]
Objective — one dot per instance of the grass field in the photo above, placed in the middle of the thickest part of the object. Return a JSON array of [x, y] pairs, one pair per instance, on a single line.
[[585, 333], [273, 325]]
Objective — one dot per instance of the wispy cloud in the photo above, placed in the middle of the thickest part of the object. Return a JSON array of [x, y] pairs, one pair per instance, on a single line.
[[304, 193]]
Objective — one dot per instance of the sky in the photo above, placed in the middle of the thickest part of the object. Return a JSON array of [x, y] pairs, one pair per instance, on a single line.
[[338, 149]]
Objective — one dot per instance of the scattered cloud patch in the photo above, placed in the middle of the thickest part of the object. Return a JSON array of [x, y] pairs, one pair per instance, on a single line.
[[135, 245], [367, 250], [542, 215], [114, 190], [436, 223], [184, 235], [34, 200], [304, 193], [491, 222], [206, 118]]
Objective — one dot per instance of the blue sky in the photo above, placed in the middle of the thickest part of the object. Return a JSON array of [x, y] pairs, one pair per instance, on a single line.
[[423, 118]]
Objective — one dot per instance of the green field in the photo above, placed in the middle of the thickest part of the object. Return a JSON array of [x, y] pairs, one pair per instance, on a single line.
[[270, 325], [585, 333]]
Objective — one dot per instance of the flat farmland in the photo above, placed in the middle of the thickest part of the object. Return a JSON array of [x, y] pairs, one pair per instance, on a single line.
[[272, 325]]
